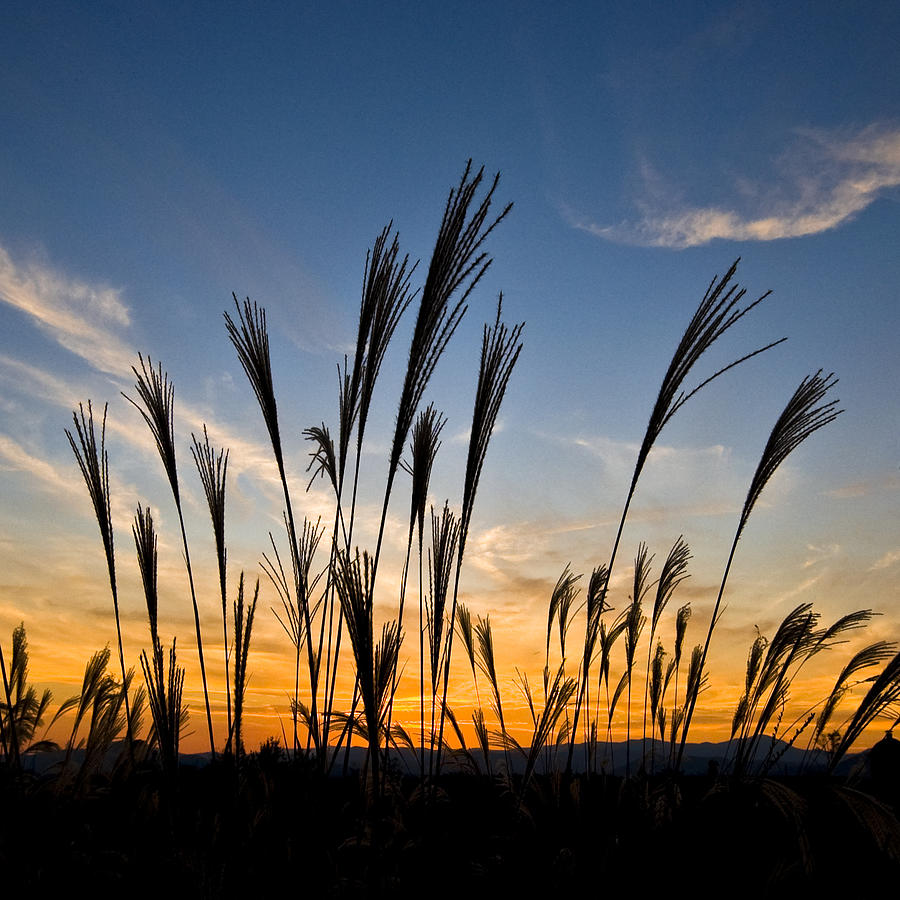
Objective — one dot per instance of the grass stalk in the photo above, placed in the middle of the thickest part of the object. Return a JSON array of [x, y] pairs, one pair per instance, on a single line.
[[157, 407], [719, 310], [500, 349], [93, 461], [250, 338], [805, 413], [213, 468], [243, 627]]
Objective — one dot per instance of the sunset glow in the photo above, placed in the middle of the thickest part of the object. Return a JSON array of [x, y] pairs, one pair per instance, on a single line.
[[156, 161]]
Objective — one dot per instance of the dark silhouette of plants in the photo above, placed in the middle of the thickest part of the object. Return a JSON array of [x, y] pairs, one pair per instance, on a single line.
[[528, 801], [772, 667], [157, 407], [882, 696], [164, 689], [213, 468], [719, 310], [23, 712], [806, 412], [500, 349], [321, 599], [251, 341], [94, 464], [674, 571], [243, 627], [870, 655], [423, 450], [9, 739], [100, 705], [457, 265], [375, 663]]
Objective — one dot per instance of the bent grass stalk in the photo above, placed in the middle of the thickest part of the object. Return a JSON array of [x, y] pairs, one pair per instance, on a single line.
[[157, 407], [500, 349], [805, 413], [719, 310]]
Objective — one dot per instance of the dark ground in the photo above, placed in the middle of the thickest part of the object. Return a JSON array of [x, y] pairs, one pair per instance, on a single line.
[[223, 831]]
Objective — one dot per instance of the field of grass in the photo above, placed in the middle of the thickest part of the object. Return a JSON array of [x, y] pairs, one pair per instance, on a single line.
[[476, 801]]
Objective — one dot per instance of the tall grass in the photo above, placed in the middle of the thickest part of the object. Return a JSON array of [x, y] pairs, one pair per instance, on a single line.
[[212, 467], [156, 404], [327, 585], [165, 689], [94, 464], [24, 711], [805, 413], [457, 265], [720, 309]]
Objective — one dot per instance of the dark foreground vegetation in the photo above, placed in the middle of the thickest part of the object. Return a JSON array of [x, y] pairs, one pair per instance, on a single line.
[[274, 823], [121, 813]]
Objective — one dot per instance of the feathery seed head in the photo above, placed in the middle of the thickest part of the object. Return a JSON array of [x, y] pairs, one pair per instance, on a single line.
[[717, 312], [145, 543], [804, 414], [213, 468], [681, 622], [423, 449], [386, 295], [157, 405], [94, 464], [323, 461], [251, 341], [674, 571], [456, 267], [500, 349]]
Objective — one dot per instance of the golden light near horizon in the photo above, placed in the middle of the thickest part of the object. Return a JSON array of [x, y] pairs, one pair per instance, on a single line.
[[144, 185], [268, 708]]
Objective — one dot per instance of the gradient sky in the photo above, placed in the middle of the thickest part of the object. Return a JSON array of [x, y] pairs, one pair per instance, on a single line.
[[156, 158]]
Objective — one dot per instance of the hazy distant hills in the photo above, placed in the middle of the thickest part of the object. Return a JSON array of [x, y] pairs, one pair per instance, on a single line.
[[773, 755], [612, 758]]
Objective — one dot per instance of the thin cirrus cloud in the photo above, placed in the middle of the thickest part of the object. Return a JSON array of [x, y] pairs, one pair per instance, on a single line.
[[92, 321], [16, 457], [891, 558], [821, 181], [81, 317]]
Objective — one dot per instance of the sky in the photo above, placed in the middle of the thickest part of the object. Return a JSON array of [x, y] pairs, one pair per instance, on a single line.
[[159, 157]]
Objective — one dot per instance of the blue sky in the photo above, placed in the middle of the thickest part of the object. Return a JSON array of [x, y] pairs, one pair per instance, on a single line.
[[157, 158]]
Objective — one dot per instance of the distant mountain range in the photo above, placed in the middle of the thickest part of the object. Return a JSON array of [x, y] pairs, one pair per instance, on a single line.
[[773, 756]]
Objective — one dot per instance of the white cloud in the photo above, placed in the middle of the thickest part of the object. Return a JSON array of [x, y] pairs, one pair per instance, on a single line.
[[665, 463], [820, 182], [889, 559], [849, 491], [819, 554], [14, 456], [81, 317]]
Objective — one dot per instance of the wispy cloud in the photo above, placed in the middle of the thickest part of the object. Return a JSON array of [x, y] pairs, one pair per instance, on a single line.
[[850, 491], [817, 555], [91, 320], [892, 557], [886, 483], [666, 465], [15, 457], [84, 318], [246, 455], [822, 180]]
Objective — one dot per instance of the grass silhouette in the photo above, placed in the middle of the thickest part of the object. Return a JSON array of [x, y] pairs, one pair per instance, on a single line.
[[545, 816]]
